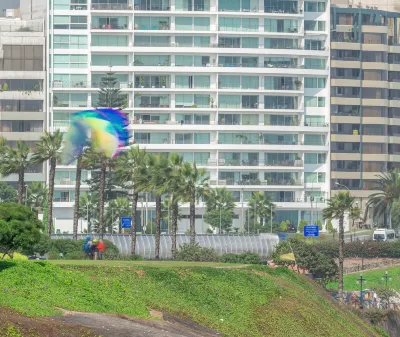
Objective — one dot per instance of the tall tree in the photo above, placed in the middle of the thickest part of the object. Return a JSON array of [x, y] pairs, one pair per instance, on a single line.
[[110, 95], [195, 185], [260, 207], [338, 205], [219, 208], [388, 187], [128, 168], [158, 171], [48, 148], [16, 161], [176, 194]]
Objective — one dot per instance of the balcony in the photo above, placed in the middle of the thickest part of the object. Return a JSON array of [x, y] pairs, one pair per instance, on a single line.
[[151, 7], [88, 84], [111, 7]]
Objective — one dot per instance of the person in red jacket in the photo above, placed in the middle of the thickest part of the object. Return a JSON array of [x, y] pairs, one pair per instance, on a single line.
[[101, 248]]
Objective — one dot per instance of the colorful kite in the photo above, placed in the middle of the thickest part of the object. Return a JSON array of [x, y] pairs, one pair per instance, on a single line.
[[105, 129]]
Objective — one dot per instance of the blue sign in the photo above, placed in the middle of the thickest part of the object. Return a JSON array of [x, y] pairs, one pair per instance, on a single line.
[[311, 231], [126, 222]]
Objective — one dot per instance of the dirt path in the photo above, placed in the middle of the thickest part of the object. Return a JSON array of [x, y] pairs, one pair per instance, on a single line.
[[123, 326]]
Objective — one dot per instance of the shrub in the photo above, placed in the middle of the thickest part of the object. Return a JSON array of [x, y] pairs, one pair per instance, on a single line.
[[245, 258], [194, 252]]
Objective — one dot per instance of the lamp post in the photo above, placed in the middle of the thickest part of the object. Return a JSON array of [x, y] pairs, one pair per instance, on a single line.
[[362, 256], [386, 278], [337, 184], [26, 193], [360, 281]]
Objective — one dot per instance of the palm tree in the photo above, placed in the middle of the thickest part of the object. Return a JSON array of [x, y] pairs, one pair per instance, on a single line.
[[176, 194], [261, 206], [115, 210], [48, 148], [36, 195], [82, 162], [194, 186], [16, 160], [128, 168], [219, 201], [158, 171], [338, 205], [88, 204], [388, 185]]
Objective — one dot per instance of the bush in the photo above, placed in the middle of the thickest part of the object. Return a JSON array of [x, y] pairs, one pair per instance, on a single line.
[[194, 252], [122, 257], [245, 258]]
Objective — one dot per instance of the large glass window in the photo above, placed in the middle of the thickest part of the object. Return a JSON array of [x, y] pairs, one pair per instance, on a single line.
[[281, 43], [152, 41], [21, 105], [192, 5], [18, 57], [21, 126], [152, 60], [152, 5], [280, 102], [70, 41], [110, 40], [313, 63], [70, 61], [280, 26], [314, 82], [70, 22], [280, 83], [23, 85], [152, 23], [107, 60], [319, 6], [281, 6]]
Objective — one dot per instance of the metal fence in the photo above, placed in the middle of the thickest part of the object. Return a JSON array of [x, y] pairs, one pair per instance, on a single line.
[[262, 244]]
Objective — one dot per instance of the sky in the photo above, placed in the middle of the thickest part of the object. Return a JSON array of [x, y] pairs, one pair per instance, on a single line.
[[9, 4]]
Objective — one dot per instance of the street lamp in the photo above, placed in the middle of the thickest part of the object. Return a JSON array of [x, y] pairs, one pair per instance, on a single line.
[[337, 184], [360, 281], [386, 278], [26, 193]]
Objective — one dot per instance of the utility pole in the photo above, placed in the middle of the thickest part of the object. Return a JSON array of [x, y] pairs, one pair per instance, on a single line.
[[360, 281]]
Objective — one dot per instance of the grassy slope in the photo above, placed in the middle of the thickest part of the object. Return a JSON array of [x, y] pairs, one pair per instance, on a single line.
[[249, 302], [373, 277]]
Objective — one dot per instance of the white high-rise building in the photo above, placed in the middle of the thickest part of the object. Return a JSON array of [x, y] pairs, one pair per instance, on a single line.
[[241, 87]]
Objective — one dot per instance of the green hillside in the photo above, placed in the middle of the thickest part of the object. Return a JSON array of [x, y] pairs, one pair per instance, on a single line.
[[248, 302]]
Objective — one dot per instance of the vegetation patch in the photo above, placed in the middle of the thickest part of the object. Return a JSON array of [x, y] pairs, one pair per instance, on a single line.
[[234, 302]]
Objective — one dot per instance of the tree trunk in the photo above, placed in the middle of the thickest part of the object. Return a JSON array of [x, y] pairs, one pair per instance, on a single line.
[[192, 216], [77, 191], [158, 227], [103, 169], [133, 228], [174, 224], [341, 259], [21, 183], [53, 163]]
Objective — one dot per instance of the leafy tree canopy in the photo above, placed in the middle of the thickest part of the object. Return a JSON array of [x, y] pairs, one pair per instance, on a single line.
[[19, 228], [7, 193], [219, 218]]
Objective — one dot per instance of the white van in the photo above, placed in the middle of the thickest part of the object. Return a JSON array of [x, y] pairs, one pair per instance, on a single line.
[[384, 234]]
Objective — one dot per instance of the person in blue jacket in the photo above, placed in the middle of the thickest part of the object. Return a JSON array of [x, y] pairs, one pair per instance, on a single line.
[[87, 246]]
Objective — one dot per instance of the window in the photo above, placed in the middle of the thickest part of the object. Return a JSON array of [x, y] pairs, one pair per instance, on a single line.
[[110, 40], [21, 126], [313, 102], [318, 26], [107, 60], [314, 158], [29, 85], [70, 22], [70, 61], [313, 63], [29, 58], [314, 82], [21, 105], [314, 177], [314, 6], [70, 41]]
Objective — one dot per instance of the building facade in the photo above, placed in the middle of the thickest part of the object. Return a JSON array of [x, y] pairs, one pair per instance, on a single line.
[[365, 103], [239, 87], [23, 113]]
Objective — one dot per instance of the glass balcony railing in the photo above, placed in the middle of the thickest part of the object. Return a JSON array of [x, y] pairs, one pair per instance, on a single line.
[[112, 7], [151, 7]]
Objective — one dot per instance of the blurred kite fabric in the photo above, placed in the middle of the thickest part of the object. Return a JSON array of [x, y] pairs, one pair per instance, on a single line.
[[105, 129]]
